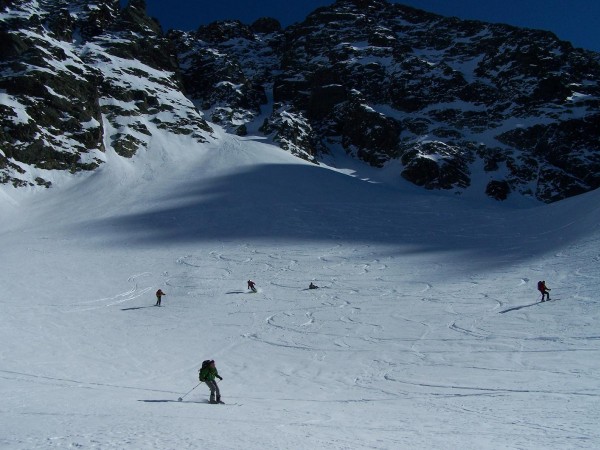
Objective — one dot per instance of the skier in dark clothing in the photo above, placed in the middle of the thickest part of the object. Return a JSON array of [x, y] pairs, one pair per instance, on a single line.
[[159, 295], [313, 286], [208, 373], [544, 290], [251, 285]]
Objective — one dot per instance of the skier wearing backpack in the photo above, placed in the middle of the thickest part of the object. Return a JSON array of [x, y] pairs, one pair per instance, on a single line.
[[544, 290], [159, 295], [207, 374]]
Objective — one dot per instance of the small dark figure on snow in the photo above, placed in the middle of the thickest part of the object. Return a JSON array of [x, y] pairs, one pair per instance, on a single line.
[[313, 286], [208, 373], [544, 290], [251, 285], [159, 295]]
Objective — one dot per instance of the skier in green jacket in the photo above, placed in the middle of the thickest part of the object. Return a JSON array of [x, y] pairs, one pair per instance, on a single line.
[[208, 373]]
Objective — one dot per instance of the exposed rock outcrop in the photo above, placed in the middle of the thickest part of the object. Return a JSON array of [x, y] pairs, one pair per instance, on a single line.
[[449, 100]]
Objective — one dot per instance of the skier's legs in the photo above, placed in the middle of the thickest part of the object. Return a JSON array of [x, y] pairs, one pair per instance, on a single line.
[[211, 386], [214, 389]]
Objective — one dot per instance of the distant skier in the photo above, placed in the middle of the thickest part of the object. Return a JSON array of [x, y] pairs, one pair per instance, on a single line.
[[159, 295], [544, 290], [251, 285], [208, 373], [313, 286]]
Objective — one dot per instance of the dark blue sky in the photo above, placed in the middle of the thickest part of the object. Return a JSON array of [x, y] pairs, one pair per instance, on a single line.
[[577, 21]]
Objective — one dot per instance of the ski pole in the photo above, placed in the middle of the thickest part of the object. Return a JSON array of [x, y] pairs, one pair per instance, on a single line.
[[181, 398]]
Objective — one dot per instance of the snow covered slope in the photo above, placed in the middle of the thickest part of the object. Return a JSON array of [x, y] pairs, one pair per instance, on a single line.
[[425, 331]]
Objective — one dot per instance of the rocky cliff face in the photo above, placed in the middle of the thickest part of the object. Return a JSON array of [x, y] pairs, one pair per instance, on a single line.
[[78, 75], [456, 105]]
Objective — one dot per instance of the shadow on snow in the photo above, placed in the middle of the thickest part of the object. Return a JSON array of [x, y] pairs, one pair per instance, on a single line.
[[289, 202]]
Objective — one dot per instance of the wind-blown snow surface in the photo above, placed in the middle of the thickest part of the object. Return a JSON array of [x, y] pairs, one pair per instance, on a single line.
[[425, 331]]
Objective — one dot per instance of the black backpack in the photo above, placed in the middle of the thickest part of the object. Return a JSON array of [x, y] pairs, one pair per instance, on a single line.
[[204, 369]]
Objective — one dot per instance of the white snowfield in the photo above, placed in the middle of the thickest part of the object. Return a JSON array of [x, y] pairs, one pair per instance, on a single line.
[[425, 332]]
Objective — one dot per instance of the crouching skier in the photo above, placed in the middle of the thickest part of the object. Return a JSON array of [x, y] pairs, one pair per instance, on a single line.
[[208, 373]]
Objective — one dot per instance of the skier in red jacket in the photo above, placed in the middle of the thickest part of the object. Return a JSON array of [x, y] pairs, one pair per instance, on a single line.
[[544, 290], [159, 295]]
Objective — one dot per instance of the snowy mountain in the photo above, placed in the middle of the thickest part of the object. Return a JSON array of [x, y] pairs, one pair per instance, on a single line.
[[425, 332], [461, 106], [79, 77]]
